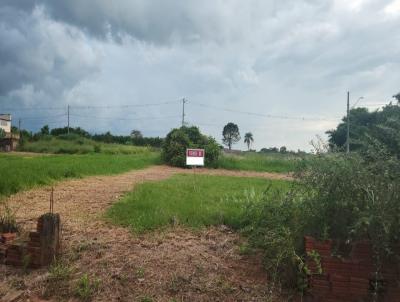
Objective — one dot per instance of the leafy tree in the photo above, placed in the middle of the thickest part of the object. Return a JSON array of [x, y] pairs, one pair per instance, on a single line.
[[45, 130], [136, 134], [365, 127], [248, 139], [397, 97], [178, 140], [230, 135], [283, 149], [2, 133], [63, 131]]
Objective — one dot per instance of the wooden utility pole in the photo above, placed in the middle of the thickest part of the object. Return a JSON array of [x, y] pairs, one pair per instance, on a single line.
[[348, 124]]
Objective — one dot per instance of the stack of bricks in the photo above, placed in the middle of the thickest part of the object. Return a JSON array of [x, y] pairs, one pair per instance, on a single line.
[[41, 248], [351, 279]]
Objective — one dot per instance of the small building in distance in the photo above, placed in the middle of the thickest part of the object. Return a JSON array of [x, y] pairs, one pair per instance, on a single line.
[[9, 141], [5, 122]]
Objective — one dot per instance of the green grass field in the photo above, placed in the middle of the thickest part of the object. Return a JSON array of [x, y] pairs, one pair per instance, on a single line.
[[279, 163], [78, 145], [24, 172], [189, 200]]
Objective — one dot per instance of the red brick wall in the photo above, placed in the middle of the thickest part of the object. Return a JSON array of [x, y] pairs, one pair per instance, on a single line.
[[348, 279], [34, 253]]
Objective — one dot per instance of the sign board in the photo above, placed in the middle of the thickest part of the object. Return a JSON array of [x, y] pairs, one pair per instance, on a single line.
[[195, 157]]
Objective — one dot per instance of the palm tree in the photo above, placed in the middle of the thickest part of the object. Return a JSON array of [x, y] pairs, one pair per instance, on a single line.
[[248, 139]]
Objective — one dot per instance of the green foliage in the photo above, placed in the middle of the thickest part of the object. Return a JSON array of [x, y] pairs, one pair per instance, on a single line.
[[86, 288], [59, 271], [250, 161], [2, 133], [45, 130], [178, 140], [75, 144], [382, 126], [8, 221], [58, 280], [21, 173], [230, 135], [273, 221], [344, 198], [191, 200], [64, 131], [248, 139]]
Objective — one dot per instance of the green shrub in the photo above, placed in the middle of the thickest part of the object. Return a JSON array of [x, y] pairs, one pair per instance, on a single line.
[[346, 198], [178, 140]]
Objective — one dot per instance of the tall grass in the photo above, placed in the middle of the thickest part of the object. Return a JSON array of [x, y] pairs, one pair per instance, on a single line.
[[74, 144], [190, 200], [21, 173], [279, 163]]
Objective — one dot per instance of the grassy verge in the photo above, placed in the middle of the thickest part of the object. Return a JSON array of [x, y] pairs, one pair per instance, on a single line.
[[189, 200], [23, 172], [73, 144], [279, 163]]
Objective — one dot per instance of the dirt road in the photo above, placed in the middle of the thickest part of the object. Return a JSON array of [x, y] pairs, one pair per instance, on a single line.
[[171, 264]]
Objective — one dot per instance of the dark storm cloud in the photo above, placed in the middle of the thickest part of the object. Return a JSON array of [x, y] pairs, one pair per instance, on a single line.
[[295, 58], [39, 53]]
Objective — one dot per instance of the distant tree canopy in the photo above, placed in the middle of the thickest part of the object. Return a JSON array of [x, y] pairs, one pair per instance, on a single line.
[[269, 150], [178, 140], [230, 135], [248, 139], [62, 131], [397, 97], [366, 128], [107, 137], [45, 130], [136, 134]]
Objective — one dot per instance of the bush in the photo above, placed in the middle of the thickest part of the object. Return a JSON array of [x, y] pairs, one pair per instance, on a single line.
[[346, 198], [178, 140]]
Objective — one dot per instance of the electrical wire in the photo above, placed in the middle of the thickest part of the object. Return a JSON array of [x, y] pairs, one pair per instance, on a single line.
[[125, 119], [265, 115]]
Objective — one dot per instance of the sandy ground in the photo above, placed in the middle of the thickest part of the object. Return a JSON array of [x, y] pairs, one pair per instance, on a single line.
[[171, 265]]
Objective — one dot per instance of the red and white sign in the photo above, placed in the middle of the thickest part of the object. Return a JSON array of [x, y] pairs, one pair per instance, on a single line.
[[195, 157]]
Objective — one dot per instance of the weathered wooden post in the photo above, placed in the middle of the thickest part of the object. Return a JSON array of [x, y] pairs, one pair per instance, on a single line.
[[49, 233]]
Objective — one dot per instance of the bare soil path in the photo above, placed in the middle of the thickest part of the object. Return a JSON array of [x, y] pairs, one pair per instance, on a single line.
[[170, 265]]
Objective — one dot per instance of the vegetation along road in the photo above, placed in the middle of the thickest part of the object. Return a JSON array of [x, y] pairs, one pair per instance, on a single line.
[[195, 264]]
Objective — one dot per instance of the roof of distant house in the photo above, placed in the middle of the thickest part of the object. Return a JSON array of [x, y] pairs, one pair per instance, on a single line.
[[5, 117]]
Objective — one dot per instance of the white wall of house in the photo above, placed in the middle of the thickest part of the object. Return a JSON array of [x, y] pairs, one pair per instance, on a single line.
[[5, 122]]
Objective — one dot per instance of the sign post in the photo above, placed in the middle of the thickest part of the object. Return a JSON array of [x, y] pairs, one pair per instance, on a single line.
[[194, 158]]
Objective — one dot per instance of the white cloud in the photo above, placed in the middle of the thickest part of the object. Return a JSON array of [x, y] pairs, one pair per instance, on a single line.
[[393, 8], [292, 58]]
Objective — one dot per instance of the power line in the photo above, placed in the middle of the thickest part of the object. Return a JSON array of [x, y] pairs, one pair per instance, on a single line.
[[266, 115], [33, 108], [91, 107], [126, 106], [42, 117], [125, 119]]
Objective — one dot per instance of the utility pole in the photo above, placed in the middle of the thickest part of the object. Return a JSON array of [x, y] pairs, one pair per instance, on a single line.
[[184, 101], [348, 124], [68, 120]]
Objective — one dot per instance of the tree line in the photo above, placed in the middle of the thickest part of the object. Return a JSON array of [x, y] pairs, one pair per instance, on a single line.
[[136, 138]]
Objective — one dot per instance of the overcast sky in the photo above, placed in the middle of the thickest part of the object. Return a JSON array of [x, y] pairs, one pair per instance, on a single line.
[[289, 61]]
